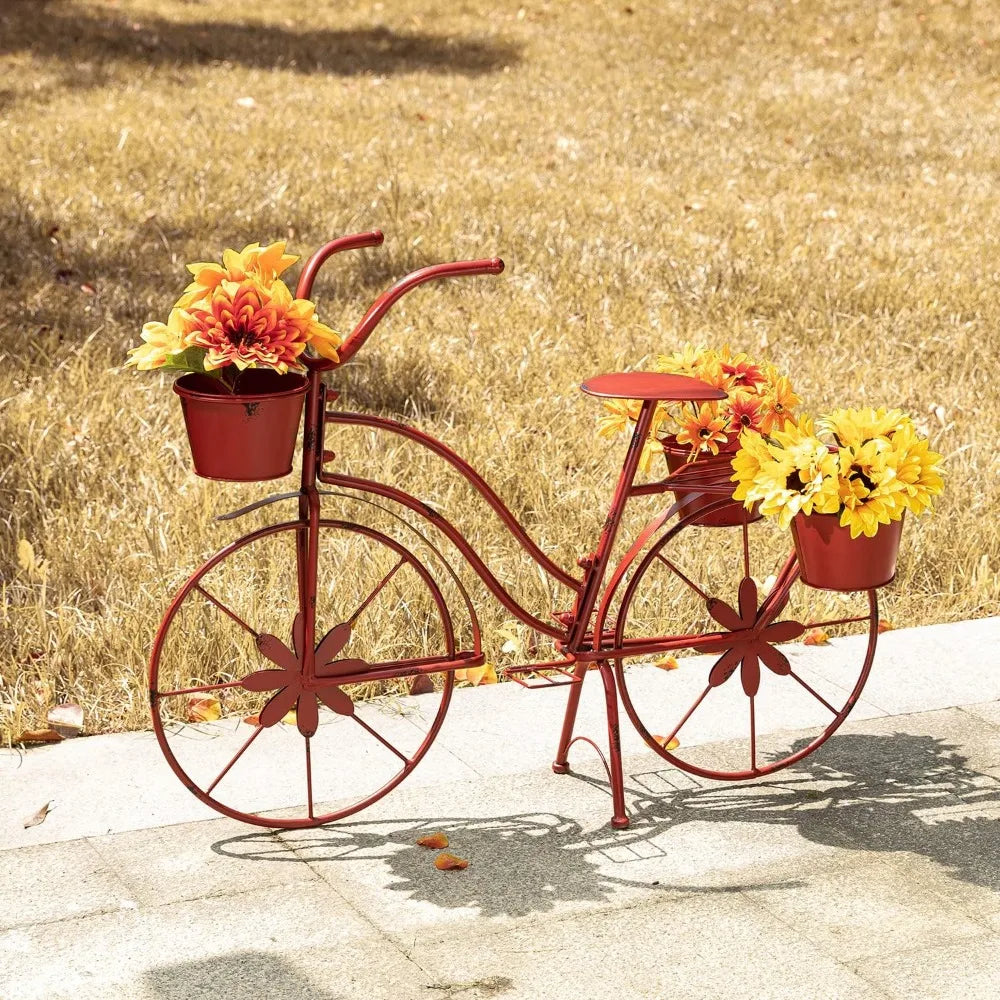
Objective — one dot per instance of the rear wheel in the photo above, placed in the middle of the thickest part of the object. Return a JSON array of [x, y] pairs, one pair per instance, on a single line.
[[766, 667]]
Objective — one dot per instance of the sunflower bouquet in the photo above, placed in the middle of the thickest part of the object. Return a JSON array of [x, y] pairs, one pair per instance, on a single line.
[[759, 400], [868, 466], [236, 315]]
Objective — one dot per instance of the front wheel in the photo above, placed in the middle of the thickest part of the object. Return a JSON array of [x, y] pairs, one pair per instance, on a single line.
[[232, 712], [756, 670]]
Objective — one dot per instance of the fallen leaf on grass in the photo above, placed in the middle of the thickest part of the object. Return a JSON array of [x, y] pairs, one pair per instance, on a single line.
[[203, 708], [477, 675], [39, 816], [446, 862], [666, 663], [39, 736], [434, 840], [885, 625], [667, 745], [66, 720], [290, 718], [815, 637], [421, 684]]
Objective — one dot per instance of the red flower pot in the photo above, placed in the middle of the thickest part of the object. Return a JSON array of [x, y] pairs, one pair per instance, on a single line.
[[831, 560], [723, 517], [245, 436]]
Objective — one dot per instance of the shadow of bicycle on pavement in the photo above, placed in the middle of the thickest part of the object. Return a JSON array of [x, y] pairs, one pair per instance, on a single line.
[[899, 793]]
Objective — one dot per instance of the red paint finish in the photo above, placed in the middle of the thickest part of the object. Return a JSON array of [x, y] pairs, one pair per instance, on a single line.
[[650, 386], [246, 437], [317, 675], [831, 560]]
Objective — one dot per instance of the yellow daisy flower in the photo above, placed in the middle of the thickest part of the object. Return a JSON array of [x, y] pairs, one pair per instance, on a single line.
[[917, 469], [851, 428], [161, 341]]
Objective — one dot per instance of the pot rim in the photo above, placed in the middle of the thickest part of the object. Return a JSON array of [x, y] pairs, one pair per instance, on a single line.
[[212, 397]]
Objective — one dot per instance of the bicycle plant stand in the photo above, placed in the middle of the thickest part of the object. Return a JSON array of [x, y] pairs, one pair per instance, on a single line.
[[307, 615]]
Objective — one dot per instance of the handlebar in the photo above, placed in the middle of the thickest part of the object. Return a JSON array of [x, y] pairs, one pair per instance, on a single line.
[[455, 269], [303, 290], [371, 319]]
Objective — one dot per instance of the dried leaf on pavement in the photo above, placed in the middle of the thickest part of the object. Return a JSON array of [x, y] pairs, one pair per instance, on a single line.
[[39, 816], [434, 840], [446, 862], [38, 736], [421, 684], [667, 744], [203, 708], [815, 637]]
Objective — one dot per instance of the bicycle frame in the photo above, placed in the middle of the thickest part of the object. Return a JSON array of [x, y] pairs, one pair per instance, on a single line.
[[587, 635]]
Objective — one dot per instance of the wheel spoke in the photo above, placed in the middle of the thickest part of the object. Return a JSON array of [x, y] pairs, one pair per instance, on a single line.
[[236, 757], [378, 589], [676, 570], [753, 736], [817, 696], [222, 607], [309, 779], [687, 715], [361, 722], [746, 550], [838, 621], [199, 690]]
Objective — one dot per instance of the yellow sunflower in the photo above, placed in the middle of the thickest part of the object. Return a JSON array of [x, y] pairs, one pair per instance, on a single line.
[[917, 469], [869, 492], [851, 428]]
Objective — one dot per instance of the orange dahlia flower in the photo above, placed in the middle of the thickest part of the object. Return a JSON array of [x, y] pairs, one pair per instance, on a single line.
[[244, 324]]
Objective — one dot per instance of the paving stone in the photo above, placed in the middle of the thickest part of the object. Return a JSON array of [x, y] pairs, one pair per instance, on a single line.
[[717, 944], [966, 970], [175, 863], [285, 943], [866, 909], [53, 882]]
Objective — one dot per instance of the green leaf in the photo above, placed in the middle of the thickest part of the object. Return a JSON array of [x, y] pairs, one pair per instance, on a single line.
[[190, 360]]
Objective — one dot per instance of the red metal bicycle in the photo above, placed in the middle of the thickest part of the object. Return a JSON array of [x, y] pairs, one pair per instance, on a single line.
[[290, 627]]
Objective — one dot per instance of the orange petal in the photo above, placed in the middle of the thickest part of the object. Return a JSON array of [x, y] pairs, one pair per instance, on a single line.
[[667, 663], [203, 708], [667, 745], [446, 862], [815, 637], [885, 625], [434, 840], [38, 736]]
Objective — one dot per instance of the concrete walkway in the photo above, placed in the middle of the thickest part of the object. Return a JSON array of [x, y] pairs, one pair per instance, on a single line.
[[870, 869]]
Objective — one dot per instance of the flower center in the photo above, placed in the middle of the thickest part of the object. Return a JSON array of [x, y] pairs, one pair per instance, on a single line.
[[795, 482], [865, 481]]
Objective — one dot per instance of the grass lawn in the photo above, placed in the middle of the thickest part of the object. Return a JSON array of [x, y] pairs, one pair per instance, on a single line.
[[813, 181]]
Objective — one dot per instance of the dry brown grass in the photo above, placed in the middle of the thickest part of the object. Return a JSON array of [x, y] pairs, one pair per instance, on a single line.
[[813, 178]]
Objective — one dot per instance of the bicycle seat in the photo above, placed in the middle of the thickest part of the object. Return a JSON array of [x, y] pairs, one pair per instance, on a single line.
[[650, 385]]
